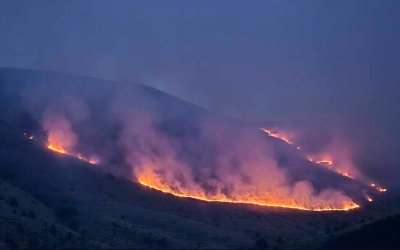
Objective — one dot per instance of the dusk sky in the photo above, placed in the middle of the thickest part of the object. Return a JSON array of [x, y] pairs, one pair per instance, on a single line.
[[313, 62]]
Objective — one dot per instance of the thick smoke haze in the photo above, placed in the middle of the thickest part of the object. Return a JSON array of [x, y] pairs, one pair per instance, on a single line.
[[150, 137], [326, 69]]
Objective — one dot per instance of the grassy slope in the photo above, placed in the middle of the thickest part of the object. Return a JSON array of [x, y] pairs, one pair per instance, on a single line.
[[92, 204]]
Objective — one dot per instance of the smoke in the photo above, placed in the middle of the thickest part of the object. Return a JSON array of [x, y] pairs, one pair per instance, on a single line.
[[327, 147], [59, 133], [167, 144], [238, 166]]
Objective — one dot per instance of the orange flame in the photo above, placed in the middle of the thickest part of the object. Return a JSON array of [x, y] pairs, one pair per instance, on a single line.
[[59, 149], [345, 173], [151, 180], [93, 160], [323, 161], [279, 135], [378, 188], [62, 139]]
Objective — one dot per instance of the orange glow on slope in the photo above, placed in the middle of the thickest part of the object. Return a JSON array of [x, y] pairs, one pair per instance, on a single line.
[[92, 160], [62, 139], [152, 180], [323, 161], [59, 149], [279, 135], [345, 173], [326, 161]]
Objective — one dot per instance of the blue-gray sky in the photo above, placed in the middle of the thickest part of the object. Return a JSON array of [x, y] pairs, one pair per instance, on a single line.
[[324, 61]]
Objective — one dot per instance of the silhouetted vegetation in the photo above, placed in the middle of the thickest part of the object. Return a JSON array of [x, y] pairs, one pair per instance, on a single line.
[[67, 212], [163, 243], [383, 234], [53, 230], [262, 244], [13, 202], [32, 214]]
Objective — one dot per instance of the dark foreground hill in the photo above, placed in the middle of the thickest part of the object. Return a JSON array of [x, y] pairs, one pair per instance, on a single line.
[[382, 234], [51, 200]]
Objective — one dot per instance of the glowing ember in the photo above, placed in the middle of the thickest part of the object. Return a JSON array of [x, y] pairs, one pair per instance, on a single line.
[[30, 137], [325, 162], [152, 180], [369, 198], [378, 188], [92, 160], [381, 189], [345, 173]]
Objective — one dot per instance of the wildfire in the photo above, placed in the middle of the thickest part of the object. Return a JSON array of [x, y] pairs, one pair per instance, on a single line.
[[378, 188], [323, 161], [345, 173], [326, 162], [92, 160], [151, 180], [62, 139], [279, 135], [59, 149]]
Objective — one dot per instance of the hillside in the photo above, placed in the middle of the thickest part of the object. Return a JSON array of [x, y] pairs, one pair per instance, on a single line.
[[27, 223], [102, 205]]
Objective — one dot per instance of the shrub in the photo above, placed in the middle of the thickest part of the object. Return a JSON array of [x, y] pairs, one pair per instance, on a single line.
[[13, 202], [32, 214], [262, 244], [163, 243]]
